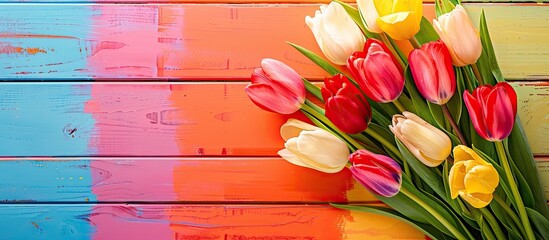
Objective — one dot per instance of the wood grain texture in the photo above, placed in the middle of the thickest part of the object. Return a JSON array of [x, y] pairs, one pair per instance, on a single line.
[[162, 119], [154, 41], [190, 180], [178, 222]]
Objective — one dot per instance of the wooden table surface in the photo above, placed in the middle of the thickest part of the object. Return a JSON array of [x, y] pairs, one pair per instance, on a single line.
[[130, 121]]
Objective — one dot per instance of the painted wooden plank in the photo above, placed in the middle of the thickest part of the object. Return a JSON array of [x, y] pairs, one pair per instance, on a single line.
[[229, 180], [168, 119], [172, 180], [170, 41], [217, 221]]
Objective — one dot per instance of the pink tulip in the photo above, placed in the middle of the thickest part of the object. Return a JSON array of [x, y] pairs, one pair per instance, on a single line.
[[433, 72], [346, 106], [379, 174], [492, 110], [377, 72], [276, 87]]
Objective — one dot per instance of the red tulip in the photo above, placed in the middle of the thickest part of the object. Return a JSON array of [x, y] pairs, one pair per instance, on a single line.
[[379, 174], [276, 87], [433, 72], [492, 110], [377, 72], [346, 106]]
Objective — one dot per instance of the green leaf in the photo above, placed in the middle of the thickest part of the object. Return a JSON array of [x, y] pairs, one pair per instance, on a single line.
[[440, 119], [427, 174], [541, 223], [379, 115], [426, 32], [523, 159], [313, 89], [427, 229], [505, 220], [383, 131], [489, 48], [523, 187], [316, 59], [503, 183]]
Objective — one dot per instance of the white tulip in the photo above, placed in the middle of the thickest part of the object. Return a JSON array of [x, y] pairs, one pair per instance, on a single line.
[[336, 33], [312, 147], [369, 15], [427, 143]]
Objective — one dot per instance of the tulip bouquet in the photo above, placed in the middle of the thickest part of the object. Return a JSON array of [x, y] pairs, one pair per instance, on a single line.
[[391, 109]]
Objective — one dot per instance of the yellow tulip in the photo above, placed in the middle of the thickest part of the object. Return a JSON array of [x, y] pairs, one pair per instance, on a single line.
[[369, 15], [400, 19], [472, 178], [313, 147], [427, 143], [460, 36]]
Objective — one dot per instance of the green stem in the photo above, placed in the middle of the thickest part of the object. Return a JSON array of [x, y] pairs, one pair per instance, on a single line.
[[449, 117], [477, 74], [433, 212], [399, 105], [468, 78], [324, 120], [510, 212], [514, 190], [392, 49], [493, 223], [415, 43], [383, 142]]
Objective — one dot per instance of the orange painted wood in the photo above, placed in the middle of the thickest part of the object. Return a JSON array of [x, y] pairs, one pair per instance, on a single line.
[[171, 41], [186, 221]]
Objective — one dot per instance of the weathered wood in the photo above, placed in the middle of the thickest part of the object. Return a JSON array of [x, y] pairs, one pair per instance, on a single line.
[[231, 180], [163, 119], [216, 221], [156, 41]]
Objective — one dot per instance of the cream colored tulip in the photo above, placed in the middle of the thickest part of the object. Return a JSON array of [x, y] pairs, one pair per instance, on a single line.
[[369, 15], [312, 147], [336, 33], [426, 142], [472, 178], [460, 36]]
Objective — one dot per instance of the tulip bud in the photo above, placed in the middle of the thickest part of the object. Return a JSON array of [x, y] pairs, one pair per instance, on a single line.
[[312, 147], [377, 72], [369, 14], [336, 33], [427, 143], [460, 36], [433, 73], [400, 19], [492, 110], [379, 174], [276, 87], [346, 106], [472, 178]]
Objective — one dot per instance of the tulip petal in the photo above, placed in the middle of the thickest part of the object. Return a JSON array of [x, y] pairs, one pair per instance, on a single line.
[[425, 74], [400, 26], [501, 112], [315, 144], [456, 179], [293, 127], [377, 180], [266, 97], [481, 179], [476, 113], [384, 79], [477, 200], [347, 115], [284, 75]]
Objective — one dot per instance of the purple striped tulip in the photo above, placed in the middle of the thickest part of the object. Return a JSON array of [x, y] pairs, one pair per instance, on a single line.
[[433, 73], [346, 106], [492, 110], [379, 174], [377, 72], [276, 87]]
